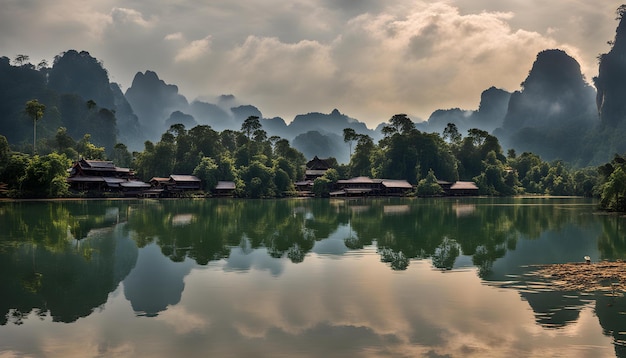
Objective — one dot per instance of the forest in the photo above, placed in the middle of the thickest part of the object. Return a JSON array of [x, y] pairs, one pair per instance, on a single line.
[[268, 167]]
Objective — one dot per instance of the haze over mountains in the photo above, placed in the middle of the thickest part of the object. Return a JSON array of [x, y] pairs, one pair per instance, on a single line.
[[556, 114]]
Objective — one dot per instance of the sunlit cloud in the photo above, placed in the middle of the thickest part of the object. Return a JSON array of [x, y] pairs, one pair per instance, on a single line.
[[194, 50]]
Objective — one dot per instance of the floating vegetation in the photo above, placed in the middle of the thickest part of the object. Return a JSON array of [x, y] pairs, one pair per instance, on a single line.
[[608, 276]]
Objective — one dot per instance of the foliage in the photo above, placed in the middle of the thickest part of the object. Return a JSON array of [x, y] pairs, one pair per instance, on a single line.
[[429, 186], [613, 185], [44, 177]]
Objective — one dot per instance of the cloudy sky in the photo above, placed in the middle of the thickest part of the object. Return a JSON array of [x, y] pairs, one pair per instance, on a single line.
[[368, 58]]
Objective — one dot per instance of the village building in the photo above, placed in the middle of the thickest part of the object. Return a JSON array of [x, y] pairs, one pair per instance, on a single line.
[[314, 169], [224, 188], [365, 186], [104, 176], [463, 188]]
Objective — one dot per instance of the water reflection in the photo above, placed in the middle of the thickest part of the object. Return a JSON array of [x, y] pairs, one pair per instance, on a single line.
[[64, 260]]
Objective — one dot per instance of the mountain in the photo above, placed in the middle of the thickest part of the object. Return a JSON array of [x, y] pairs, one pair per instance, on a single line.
[[314, 143], [153, 101], [489, 116], [611, 80], [553, 112]]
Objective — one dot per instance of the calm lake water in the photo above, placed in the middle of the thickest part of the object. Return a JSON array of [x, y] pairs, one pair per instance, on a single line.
[[304, 278]]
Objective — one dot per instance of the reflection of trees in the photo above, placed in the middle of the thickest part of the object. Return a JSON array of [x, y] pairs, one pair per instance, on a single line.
[[46, 269], [432, 228], [612, 242]]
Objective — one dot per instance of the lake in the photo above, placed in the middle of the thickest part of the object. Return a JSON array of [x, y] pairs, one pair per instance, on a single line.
[[305, 278]]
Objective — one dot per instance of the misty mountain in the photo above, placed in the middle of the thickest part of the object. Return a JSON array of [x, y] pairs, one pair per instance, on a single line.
[[314, 143], [335, 122], [79, 73], [178, 117], [211, 114], [611, 80], [489, 116], [128, 127], [554, 110], [153, 101]]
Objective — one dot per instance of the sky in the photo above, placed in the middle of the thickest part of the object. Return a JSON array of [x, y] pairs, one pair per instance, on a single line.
[[370, 59]]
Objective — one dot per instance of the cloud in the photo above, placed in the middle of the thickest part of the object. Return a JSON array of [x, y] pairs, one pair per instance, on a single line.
[[121, 15], [369, 59], [194, 50]]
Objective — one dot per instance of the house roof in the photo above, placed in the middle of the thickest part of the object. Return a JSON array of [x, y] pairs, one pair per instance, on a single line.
[[134, 184], [315, 172], [464, 185], [356, 180], [176, 177], [225, 185], [85, 179], [399, 184]]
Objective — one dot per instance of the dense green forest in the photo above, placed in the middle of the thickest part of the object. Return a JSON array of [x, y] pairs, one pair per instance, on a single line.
[[264, 167]]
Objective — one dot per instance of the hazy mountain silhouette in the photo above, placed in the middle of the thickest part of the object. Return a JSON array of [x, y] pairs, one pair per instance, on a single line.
[[611, 80], [211, 114], [489, 116], [153, 101], [178, 117], [553, 112], [79, 73], [129, 130], [314, 143]]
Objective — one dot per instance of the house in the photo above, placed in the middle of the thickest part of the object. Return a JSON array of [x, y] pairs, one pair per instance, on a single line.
[[392, 187], [315, 168], [104, 176], [364, 186], [463, 188], [184, 182], [224, 188]]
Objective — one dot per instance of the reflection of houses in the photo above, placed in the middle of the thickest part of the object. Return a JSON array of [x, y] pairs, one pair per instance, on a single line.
[[104, 176], [364, 186]]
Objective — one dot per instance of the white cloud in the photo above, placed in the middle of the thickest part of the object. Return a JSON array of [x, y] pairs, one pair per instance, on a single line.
[[194, 50]]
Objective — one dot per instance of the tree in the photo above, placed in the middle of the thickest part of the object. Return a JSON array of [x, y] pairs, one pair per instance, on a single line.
[[349, 136], [402, 123], [451, 132], [250, 125], [21, 59], [429, 186], [35, 111]]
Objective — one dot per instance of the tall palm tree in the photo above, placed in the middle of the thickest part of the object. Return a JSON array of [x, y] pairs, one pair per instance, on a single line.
[[34, 110]]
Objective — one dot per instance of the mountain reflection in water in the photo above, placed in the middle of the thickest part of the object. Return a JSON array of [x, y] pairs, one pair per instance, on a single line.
[[367, 277]]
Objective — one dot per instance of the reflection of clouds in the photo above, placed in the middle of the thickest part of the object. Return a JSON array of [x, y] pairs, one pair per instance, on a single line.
[[243, 260], [334, 244], [417, 312], [183, 321]]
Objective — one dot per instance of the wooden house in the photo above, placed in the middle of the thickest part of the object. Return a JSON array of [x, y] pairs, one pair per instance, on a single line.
[[104, 176], [463, 188], [224, 188]]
